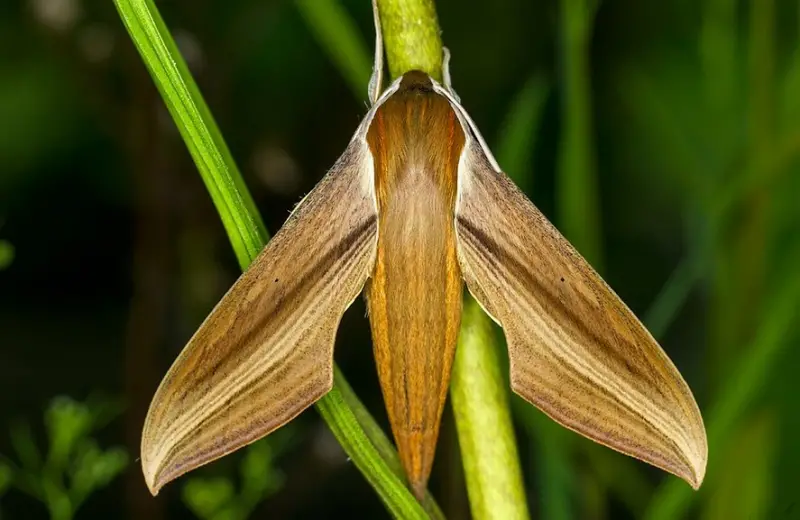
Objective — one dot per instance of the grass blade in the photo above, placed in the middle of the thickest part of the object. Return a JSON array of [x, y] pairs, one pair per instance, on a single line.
[[338, 35], [243, 223], [577, 195], [518, 138]]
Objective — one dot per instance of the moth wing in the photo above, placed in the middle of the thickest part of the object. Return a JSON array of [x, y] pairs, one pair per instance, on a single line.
[[576, 351], [265, 353]]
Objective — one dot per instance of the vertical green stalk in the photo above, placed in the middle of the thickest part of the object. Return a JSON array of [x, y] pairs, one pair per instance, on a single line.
[[578, 217], [577, 198], [411, 36], [338, 35], [741, 249], [480, 400], [718, 54], [516, 144]]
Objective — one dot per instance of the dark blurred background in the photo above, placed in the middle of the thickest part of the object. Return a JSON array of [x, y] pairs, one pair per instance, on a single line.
[[686, 112]]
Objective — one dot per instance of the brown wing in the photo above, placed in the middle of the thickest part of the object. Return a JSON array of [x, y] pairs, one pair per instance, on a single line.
[[576, 351], [265, 352]]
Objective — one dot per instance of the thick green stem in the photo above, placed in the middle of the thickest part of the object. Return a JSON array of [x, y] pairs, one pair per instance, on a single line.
[[247, 233], [411, 37], [480, 400]]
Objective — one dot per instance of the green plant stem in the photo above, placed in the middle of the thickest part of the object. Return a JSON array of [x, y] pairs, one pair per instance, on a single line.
[[577, 197], [245, 228], [480, 399], [338, 35], [675, 292], [578, 217], [411, 37], [379, 439], [236, 208], [486, 439], [344, 424], [516, 144]]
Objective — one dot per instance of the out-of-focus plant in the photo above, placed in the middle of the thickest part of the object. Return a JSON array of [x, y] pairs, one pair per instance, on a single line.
[[73, 465], [216, 498], [726, 141], [5, 481], [6, 254]]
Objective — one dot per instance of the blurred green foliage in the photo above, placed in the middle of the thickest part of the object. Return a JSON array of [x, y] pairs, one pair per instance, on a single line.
[[217, 497], [73, 466], [687, 114], [6, 254]]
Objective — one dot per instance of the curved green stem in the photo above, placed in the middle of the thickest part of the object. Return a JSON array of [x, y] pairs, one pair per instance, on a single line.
[[340, 409]]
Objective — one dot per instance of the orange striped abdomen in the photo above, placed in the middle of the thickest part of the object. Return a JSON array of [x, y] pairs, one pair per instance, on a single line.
[[414, 297]]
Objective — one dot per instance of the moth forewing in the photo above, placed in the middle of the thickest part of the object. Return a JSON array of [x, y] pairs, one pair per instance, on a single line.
[[416, 202], [576, 351], [265, 353]]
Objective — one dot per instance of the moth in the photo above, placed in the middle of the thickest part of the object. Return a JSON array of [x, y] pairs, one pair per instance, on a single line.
[[414, 209]]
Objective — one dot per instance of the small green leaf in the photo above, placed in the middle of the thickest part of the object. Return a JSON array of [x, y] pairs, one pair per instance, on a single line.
[[259, 476], [56, 500], [22, 441], [67, 422]]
